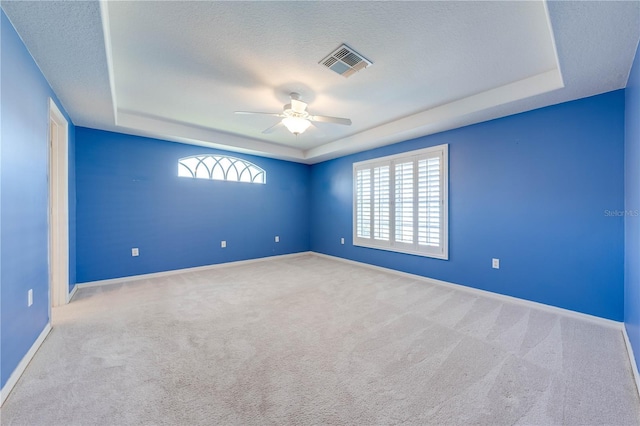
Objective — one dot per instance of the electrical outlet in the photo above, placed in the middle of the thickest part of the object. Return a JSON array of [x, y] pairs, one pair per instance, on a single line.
[[223, 244], [30, 297], [277, 239], [495, 263], [341, 240], [135, 252]]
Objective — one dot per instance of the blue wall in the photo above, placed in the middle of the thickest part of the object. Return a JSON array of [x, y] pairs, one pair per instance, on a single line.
[[129, 195], [24, 200], [632, 205], [529, 189]]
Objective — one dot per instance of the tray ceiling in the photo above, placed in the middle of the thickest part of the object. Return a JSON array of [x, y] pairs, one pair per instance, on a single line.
[[179, 70]]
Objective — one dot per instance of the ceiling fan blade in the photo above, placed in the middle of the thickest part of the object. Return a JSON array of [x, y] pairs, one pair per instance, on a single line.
[[272, 128], [335, 120], [298, 106], [317, 129], [274, 114]]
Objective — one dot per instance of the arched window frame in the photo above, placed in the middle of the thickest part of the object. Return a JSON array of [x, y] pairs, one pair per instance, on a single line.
[[221, 167]]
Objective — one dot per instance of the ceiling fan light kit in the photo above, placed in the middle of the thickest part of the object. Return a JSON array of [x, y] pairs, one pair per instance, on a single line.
[[296, 125], [296, 118]]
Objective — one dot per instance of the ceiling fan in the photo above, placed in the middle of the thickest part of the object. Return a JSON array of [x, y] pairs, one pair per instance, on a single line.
[[296, 118]]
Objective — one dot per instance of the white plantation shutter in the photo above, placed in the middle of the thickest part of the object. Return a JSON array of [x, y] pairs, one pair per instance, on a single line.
[[381, 204], [363, 203], [429, 208], [400, 202], [404, 202]]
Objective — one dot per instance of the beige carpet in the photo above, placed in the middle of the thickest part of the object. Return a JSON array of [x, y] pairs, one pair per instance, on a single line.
[[308, 340]]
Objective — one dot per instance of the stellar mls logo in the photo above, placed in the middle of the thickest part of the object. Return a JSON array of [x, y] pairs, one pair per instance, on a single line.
[[622, 213]]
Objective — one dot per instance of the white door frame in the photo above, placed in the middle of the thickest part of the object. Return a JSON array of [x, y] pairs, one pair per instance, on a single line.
[[58, 206]]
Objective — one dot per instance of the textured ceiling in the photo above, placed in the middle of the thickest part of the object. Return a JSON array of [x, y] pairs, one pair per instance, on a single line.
[[178, 70]]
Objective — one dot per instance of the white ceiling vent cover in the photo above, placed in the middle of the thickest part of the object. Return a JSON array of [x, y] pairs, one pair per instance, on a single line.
[[345, 61]]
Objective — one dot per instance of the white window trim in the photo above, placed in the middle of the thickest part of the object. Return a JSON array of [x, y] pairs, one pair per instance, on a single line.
[[442, 251]]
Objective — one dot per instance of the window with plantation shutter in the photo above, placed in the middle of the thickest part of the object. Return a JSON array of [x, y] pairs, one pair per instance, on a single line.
[[400, 202]]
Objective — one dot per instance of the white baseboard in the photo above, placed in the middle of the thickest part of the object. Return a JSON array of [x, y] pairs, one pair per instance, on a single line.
[[73, 293], [15, 376], [185, 270], [632, 359], [536, 305]]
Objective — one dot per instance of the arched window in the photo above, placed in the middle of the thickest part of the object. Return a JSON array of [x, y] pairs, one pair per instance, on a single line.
[[220, 167]]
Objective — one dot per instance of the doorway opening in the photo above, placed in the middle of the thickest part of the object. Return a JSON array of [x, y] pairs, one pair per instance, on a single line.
[[58, 207]]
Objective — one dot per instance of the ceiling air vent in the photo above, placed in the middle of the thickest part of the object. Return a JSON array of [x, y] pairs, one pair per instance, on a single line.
[[345, 61]]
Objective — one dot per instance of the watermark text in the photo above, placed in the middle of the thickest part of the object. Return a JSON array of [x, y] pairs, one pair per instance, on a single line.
[[622, 213]]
